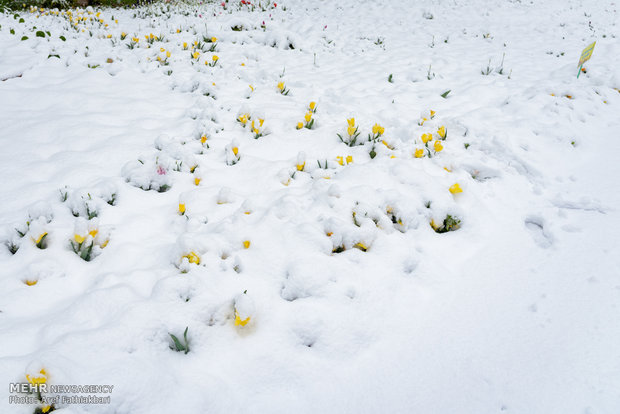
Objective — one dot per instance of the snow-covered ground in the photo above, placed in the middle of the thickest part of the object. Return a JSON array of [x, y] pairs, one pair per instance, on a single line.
[[358, 300]]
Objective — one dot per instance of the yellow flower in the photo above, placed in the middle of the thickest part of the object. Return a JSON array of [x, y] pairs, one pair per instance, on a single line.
[[281, 86], [213, 39], [252, 88], [378, 129], [351, 130], [31, 282], [39, 379], [308, 116], [79, 238], [193, 257], [151, 36], [432, 114], [239, 321], [182, 208], [312, 106], [197, 181], [256, 131], [196, 54], [203, 139], [427, 137], [215, 58], [168, 54], [45, 408], [184, 45], [349, 159], [438, 146], [261, 122], [246, 244], [300, 167], [351, 122], [456, 188], [384, 142], [446, 168], [243, 119], [235, 150], [135, 39], [93, 232], [38, 239], [422, 121], [433, 225], [340, 160], [161, 49], [442, 132], [419, 153], [361, 246], [300, 125], [109, 36]]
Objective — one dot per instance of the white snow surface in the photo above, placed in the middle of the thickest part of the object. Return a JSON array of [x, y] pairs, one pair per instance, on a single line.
[[355, 303]]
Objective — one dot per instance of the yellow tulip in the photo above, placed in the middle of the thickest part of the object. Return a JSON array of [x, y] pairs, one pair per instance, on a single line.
[[79, 238], [261, 122], [168, 54], [193, 257], [246, 244], [213, 39], [197, 181], [184, 45], [196, 54], [300, 125], [235, 150], [349, 159], [203, 139], [378, 129], [93, 232], [432, 114], [419, 153], [281, 86], [456, 188], [442, 132], [351, 122], [239, 321], [308, 116], [181, 208], [427, 137], [312, 106], [361, 246], [300, 167], [38, 239], [438, 146], [215, 58], [351, 130], [340, 160], [39, 379], [31, 282]]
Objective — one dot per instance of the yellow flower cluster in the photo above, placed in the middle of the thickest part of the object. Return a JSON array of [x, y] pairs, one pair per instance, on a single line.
[[192, 257], [341, 160], [309, 121]]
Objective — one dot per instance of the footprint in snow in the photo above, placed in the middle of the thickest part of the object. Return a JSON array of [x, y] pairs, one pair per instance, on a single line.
[[536, 227]]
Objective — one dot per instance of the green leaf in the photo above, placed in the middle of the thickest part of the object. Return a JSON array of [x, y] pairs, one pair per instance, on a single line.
[[40, 33], [177, 344], [64, 39], [445, 94], [21, 20], [24, 37]]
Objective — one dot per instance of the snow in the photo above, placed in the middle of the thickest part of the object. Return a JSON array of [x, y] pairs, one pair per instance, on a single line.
[[355, 302]]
